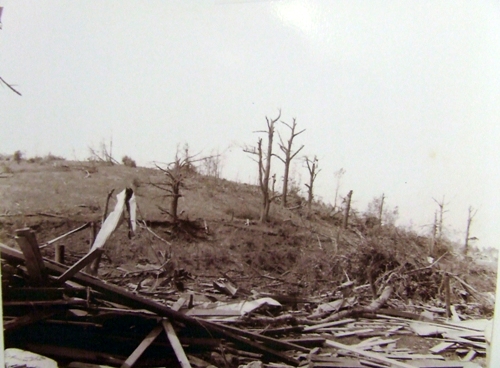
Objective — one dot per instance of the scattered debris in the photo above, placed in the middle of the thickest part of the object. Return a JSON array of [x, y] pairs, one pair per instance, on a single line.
[[79, 318], [160, 315]]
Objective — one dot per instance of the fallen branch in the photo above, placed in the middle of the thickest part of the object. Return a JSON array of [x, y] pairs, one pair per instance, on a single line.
[[154, 234], [373, 307], [65, 235], [426, 267]]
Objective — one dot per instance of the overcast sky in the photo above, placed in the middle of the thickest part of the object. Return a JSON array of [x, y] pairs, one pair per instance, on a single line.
[[404, 95]]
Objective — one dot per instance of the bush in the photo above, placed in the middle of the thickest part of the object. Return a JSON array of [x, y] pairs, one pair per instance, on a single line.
[[127, 161], [35, 160], [4, 169], [18, 156], [50, 157]]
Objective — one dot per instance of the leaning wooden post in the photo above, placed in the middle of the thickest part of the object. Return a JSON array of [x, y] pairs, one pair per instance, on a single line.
[[59, 253], [26, 240], [94, 266], [93, 233], [347, 209]]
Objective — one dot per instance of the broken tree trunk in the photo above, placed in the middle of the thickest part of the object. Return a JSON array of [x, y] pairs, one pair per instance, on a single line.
[[372, 308], [347, 209]]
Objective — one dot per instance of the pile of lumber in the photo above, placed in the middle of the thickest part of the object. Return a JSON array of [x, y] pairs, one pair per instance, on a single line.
[[70, 316]]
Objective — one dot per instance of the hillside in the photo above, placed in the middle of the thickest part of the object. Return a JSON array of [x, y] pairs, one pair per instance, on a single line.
[[218, 233]]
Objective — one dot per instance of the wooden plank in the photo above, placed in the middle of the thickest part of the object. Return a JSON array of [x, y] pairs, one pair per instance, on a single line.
[[409, 356], [65, 235], [353, 332], [375, 342], [313, 341], [461, 340], [442, 346], [278, 344], [442, 364], [238, 334], [26, 240], [78, 266], [375, 356], [328, 324], [178, 304], [176, 345], [44, 303], [212, 312], [470, 355], [344, 363], [25, 320], [139, 350]]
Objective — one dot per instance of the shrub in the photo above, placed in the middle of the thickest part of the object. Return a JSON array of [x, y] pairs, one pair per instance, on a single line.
[[18, 156], [127, 161], [35, 160], [6, 169], [50, 157], [136, 183]]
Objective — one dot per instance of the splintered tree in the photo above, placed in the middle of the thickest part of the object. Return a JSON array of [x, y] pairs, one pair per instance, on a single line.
[[380, 213], [312, 167], [347, 209], [264, 163], [438, 222], [104, 153], [289, 156], [471, 213]]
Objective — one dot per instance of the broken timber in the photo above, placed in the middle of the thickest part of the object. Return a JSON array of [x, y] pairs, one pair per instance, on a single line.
[[118, 295], [377, 357], [26, 240]]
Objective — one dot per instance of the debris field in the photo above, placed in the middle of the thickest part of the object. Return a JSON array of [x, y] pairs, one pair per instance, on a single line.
[[147, 316]]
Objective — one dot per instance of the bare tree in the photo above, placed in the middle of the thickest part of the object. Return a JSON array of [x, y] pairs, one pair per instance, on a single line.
[[312, 167], [439, 224], [378, 210], [265, 167], [104, 153], [338, 175], [176, 173], [434, 235], [471, 213], [381, 209], [289, 156]]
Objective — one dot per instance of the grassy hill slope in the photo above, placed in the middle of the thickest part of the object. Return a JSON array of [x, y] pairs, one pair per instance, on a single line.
[[298, 252]]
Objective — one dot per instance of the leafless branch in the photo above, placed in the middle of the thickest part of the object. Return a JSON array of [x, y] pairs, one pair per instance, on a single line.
[[10, 86]]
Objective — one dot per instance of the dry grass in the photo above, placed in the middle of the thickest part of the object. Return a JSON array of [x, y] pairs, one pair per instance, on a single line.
[[299, 249]]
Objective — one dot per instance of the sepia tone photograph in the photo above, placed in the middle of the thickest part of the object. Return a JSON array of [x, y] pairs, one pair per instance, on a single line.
[[249, 183]]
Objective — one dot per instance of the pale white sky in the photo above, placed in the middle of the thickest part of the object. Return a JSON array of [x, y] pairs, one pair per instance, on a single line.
[[404, 95]]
